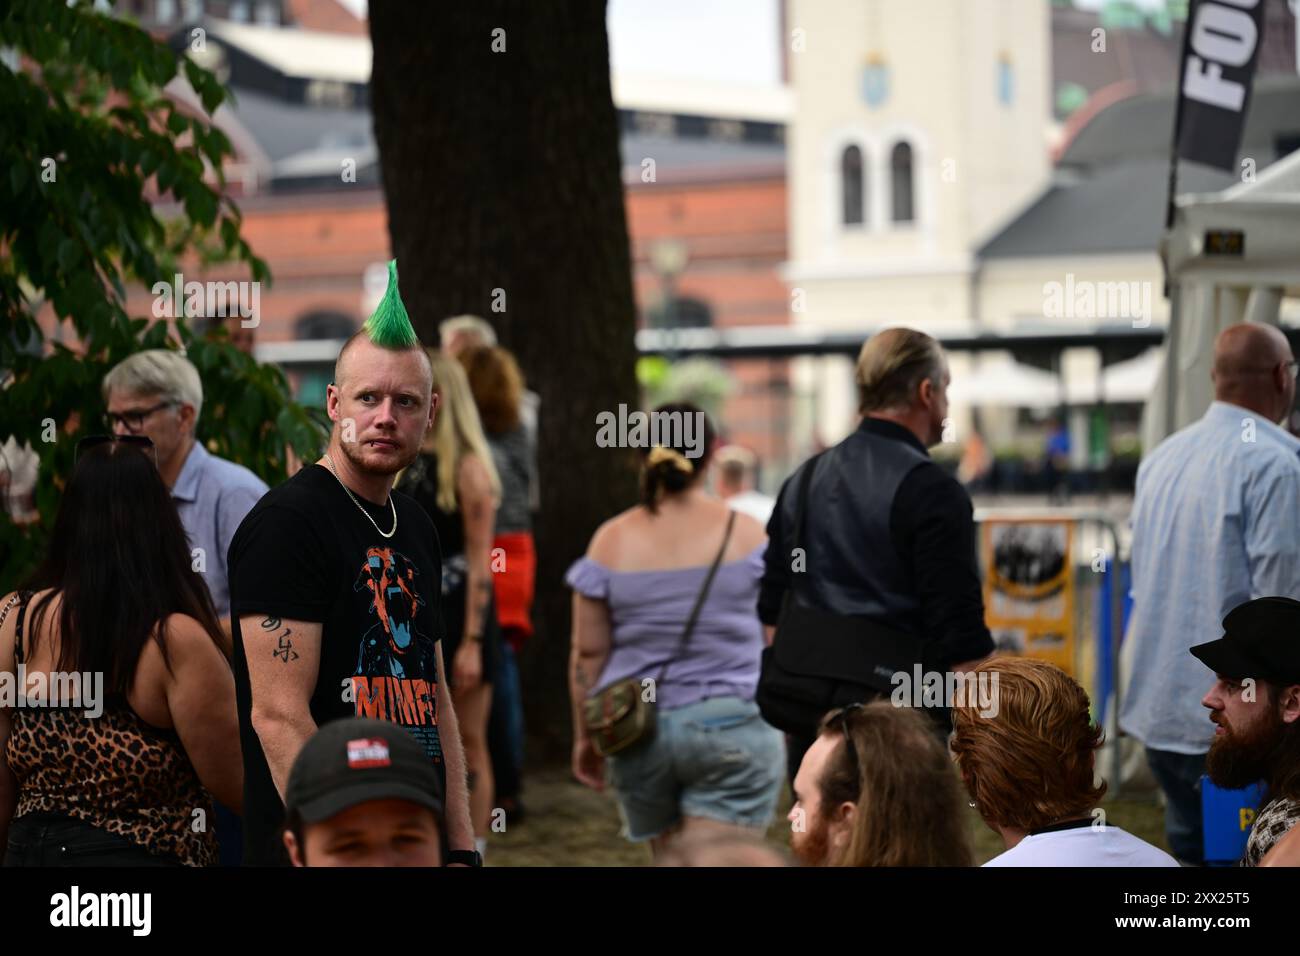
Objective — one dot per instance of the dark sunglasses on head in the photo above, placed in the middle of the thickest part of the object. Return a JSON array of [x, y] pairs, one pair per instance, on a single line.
[[135, 441], [841, 716]]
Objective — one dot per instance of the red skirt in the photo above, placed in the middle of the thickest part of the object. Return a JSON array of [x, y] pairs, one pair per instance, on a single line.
[[514, 563]]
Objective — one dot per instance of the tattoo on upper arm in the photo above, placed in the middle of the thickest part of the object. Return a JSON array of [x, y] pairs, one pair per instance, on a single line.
[[284, 647]]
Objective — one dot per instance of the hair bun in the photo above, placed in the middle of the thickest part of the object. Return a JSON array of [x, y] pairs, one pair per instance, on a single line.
[[669, 459]]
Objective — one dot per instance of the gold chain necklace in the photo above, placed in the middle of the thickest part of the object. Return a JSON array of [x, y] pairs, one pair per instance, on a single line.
[[386, 534]]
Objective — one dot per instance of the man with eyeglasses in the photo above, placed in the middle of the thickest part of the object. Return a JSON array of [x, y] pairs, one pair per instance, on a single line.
[[1216, 523], [158, 394]]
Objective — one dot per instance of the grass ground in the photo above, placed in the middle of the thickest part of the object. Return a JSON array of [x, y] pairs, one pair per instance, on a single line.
[[569, 825]]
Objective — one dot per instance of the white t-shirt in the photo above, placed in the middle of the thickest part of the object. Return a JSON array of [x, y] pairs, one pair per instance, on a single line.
[[1083, 846]]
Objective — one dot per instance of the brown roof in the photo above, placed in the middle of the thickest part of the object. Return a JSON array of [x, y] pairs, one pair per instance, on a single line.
[[327, 16]]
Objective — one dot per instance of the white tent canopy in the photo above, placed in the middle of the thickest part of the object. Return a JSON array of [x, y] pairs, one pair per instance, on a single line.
[[1004, 382], [1212, 291]]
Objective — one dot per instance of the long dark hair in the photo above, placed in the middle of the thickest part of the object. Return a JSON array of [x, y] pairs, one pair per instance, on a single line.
[[120, 560], [673, 473], [906, 789]]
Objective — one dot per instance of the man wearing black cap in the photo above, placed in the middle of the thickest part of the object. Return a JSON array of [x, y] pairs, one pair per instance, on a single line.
[[1255, 704], [364, 793]]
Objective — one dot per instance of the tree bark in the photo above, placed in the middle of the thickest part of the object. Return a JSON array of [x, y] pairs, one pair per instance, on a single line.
[[502, 174]]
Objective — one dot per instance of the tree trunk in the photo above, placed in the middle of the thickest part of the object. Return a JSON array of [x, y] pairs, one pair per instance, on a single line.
[[502, 173]]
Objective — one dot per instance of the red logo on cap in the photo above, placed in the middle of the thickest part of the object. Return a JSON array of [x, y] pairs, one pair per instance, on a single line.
[[366, 753]]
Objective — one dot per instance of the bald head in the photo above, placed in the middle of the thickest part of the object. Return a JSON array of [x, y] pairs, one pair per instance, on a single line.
[[1251, 369]]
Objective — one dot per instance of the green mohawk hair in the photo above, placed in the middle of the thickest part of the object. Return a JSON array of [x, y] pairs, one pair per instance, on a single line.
[[389, 326]]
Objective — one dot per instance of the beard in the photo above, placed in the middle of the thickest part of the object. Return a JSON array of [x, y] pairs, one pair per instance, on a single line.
[[367, 460], [813, 847], [1238, 759]]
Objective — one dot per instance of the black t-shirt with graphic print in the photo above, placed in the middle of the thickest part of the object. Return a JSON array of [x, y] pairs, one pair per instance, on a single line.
[[306, 552]]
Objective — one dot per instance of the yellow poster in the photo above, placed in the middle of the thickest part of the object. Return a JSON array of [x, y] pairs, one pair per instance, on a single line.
[[1029, 588]]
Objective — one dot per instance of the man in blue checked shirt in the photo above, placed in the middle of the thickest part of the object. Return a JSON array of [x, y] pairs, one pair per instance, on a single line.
[[1216, 523]]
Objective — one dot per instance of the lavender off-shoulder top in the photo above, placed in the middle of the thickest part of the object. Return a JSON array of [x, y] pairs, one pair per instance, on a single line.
[[648, 612]]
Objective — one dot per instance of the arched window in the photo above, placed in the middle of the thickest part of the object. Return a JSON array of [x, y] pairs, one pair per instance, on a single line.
[[685, 313], [900, 167], [852, 183]]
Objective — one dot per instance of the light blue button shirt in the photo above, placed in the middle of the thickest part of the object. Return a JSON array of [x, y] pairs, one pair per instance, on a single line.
[[212, 496], [1216, 522]]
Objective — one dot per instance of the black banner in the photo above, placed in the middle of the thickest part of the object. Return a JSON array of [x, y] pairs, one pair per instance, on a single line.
[[1220, 49]]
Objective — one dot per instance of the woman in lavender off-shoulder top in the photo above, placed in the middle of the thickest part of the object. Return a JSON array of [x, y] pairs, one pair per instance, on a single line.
[[713, 764]]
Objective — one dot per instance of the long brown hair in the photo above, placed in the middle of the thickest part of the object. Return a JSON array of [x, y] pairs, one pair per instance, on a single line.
[[909, 804], [497, 384]]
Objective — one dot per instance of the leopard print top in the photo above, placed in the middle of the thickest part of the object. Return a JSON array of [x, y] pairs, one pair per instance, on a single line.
[[114, 772]]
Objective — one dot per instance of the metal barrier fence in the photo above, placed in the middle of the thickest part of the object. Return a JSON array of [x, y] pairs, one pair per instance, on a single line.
[[1089, 587]]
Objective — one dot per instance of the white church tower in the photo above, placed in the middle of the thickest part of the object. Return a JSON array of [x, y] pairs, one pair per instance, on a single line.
[[919, 128]]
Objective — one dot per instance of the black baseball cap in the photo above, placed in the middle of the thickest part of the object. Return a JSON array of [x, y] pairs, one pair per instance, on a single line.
[[1261, 639], [357, 760]]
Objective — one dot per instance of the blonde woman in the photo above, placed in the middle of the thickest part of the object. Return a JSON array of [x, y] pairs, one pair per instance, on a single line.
[[456, 482]]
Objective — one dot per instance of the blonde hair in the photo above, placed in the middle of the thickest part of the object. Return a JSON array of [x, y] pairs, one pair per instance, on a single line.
[[457, 430], [891, 365], [476, 328]]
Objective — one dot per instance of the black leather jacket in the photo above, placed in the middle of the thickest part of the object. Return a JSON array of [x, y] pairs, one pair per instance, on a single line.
[[889, 535]]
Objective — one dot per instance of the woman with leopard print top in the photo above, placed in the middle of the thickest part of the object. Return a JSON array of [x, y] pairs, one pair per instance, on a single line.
[[123, 720]]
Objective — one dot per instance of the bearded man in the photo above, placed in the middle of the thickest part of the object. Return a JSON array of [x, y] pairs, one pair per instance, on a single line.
[[335, 582], [1255, 705]]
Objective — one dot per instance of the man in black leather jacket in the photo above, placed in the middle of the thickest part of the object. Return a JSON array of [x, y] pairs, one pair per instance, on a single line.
[[888, 534]]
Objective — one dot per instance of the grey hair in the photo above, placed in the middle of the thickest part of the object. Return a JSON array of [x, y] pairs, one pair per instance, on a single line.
[[159, 372], [468, 324]]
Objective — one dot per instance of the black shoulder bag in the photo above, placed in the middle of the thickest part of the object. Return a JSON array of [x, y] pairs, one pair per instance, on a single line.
[[818, 660]]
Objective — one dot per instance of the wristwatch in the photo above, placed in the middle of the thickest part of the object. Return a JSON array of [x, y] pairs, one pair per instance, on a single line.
[[465, 857], [476, 638]]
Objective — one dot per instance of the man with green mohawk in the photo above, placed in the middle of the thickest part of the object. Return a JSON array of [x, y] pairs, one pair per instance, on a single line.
[[335, 581]]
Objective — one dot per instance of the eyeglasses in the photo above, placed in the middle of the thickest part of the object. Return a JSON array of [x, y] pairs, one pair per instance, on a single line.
[[133, 420], [135, 441], [842, 717]]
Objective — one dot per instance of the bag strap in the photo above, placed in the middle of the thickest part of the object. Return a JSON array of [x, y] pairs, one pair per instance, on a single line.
[[801, 506], [700, 598]]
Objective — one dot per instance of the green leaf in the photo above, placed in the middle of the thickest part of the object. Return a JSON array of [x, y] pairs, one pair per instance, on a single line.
[[211, 93], [168, 170], [69, 254]]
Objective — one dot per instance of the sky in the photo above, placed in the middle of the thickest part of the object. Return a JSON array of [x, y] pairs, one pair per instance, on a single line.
[[728, 41]]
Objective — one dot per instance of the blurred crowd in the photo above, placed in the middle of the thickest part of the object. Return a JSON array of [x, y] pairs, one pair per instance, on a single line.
[[286, 681]]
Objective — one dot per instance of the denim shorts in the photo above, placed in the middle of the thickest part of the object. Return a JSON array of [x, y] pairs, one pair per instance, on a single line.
[[715, 759]]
